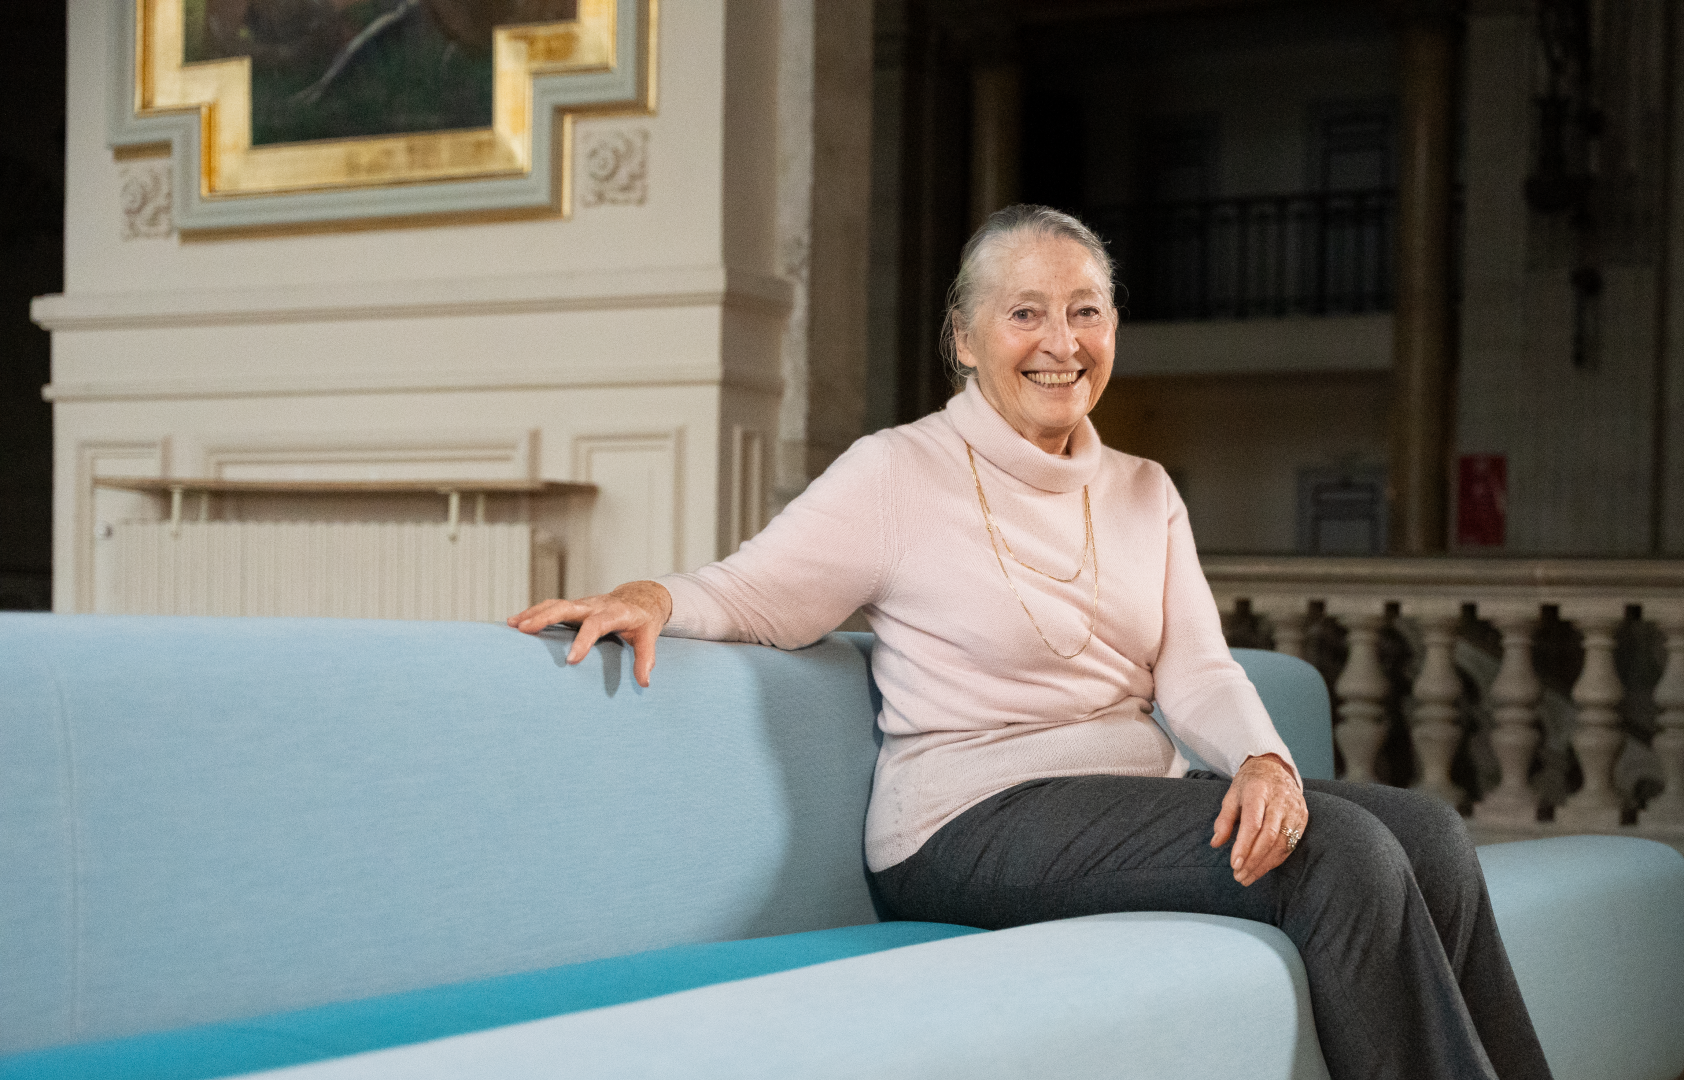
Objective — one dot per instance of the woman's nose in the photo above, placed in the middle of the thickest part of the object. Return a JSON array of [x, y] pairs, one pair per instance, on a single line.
[[1060, 339]]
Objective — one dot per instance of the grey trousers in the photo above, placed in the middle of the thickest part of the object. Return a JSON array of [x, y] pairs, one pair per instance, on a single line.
[[1383, 897]]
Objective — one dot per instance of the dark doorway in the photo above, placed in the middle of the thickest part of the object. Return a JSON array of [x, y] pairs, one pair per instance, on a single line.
[[31, 263]]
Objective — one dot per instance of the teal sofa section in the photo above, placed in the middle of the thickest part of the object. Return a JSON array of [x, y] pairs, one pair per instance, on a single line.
[[232, 1047], [375, 849]]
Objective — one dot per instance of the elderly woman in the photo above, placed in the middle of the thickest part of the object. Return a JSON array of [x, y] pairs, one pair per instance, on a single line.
[[1033, 593]]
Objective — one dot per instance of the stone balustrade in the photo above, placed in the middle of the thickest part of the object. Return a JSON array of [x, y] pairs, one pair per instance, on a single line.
[[1469, 629]]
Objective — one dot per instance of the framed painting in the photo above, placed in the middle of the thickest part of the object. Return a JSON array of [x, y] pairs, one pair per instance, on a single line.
[[308, 114]]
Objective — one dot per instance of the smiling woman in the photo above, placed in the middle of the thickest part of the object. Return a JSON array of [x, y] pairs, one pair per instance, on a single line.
[[1033, 320], [1022, 777]]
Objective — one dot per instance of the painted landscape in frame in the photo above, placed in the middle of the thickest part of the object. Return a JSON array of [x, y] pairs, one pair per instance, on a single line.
[[333, 69]]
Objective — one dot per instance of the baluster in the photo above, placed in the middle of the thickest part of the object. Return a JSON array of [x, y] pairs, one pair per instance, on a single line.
[[1597, 738], [1514, 696], [1287, 615], [1228, 610], [1362, 689], [1433, 726], [1666, 810]]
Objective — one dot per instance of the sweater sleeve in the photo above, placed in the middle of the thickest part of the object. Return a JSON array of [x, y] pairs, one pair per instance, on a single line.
[[1207, 699], [824, 556]]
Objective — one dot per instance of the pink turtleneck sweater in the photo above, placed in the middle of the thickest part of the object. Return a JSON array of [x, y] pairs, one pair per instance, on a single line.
[[973, 700]]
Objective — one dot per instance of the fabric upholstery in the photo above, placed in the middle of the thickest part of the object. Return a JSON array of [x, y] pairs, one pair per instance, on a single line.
[[1147, 995], [210, 819], [1594, 927], [355, 1027], [271, 814], [1296, 697], [38, 947]]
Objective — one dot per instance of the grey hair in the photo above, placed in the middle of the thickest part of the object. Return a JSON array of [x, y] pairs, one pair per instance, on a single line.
[[1002, 227]]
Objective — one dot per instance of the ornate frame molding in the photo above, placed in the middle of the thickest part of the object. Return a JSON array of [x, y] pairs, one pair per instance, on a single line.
[[521, 166]]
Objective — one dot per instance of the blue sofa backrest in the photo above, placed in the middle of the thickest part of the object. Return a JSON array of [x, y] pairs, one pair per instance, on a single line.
[[1297, 700], [203, 819]]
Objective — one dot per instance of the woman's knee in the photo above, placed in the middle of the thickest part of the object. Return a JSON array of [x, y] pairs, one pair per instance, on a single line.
[[1431, 831], [1350, 853], [1428, 816]]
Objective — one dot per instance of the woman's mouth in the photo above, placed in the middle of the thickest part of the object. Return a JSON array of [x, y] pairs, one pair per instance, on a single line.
[[1054, 378]]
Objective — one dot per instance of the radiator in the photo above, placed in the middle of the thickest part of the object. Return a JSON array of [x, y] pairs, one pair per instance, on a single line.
[[350, 569]]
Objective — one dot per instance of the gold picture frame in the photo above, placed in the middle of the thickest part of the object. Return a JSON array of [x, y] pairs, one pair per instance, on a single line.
[[542, 75]]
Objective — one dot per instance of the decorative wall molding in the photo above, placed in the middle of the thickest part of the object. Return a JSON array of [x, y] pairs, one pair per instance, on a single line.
[[430, 455], [636, 527], [96, 507], [616, 167], [147, 199], [594, 290], [313, 384], [748, 485]]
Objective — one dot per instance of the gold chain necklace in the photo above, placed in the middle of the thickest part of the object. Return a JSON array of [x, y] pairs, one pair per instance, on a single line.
[[1089, 550]]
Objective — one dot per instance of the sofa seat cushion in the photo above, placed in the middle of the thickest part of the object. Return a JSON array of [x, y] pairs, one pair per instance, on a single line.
[[1141, 994], [1594, 926], [351, 1027]]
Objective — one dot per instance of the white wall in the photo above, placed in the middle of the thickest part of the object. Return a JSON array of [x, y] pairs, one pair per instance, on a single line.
[[639, 342]]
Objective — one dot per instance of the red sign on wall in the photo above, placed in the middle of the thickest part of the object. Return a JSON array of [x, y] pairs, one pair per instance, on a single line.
[[1482, 489]]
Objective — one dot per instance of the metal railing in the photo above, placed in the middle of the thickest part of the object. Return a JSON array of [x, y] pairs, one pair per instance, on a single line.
[[1323, 253]]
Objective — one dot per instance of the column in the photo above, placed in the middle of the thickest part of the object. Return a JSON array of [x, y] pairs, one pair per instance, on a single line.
[[1514, 699], [996, 124], [1361, 689], [1433, 725], [1287, 615], [1597, 738], [1421, 324], [1666, 810]]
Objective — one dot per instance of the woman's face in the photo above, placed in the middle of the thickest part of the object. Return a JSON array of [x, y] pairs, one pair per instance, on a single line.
[[1042, 338]]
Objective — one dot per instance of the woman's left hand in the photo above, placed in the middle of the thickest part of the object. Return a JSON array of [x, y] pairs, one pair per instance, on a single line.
[[1263, 799]]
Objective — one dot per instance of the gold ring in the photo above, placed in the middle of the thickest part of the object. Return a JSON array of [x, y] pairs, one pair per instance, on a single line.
[[1292, 837]]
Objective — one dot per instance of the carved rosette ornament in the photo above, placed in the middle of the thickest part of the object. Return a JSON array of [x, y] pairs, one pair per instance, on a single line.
[[616, 167], [146, 200]]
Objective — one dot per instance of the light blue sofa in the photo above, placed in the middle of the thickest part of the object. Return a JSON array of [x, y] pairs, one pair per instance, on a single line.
[[374, 849]]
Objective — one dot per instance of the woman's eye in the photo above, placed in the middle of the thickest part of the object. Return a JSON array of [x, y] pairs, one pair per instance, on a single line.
[[1023, 314]]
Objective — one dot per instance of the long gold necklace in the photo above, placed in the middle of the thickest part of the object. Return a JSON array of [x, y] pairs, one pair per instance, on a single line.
[[1089, 550]]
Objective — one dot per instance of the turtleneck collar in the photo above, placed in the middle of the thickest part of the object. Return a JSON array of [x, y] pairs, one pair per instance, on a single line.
[[997, 441]]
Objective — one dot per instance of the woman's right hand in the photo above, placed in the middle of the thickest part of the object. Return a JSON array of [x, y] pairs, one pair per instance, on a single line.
[[636, 611]]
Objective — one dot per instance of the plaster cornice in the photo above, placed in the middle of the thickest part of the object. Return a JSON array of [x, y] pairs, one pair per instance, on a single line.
[[666, 287]]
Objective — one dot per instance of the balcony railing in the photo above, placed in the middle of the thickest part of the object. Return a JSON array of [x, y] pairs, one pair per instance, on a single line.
[[1539, 696], [1307, 254]]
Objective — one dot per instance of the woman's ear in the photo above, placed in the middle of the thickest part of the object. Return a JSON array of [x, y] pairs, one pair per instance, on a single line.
[[961, 346]]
